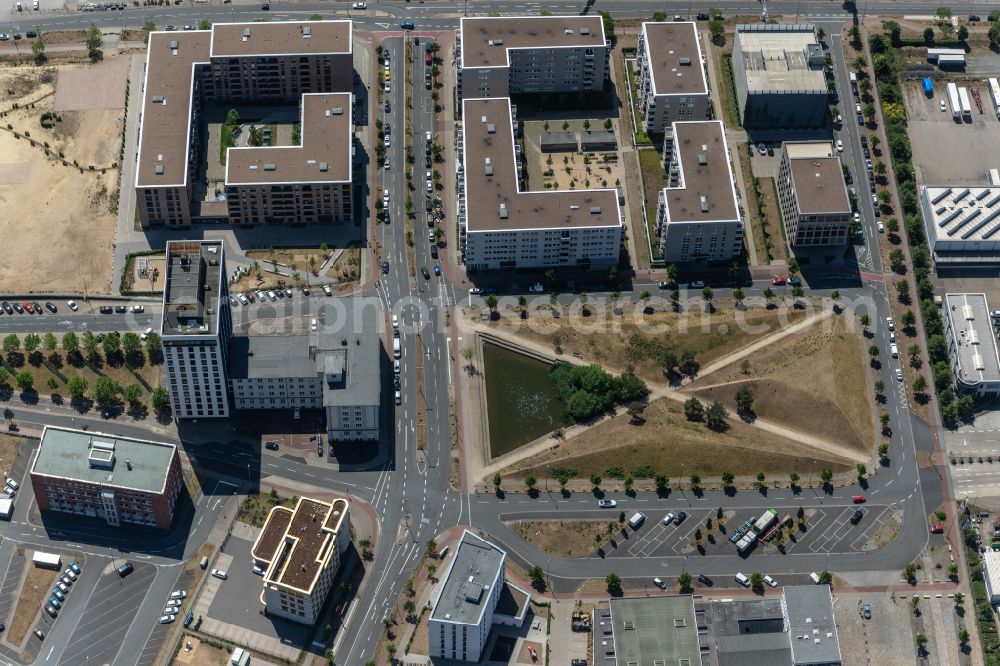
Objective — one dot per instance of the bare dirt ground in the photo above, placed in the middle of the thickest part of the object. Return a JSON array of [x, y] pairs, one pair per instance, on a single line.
[[200, 654], [566, 538], [669, 444], [58, 226], [783, 379], [98, 87]]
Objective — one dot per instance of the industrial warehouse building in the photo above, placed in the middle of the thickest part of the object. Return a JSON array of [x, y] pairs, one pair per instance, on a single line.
[[962, 222], [307, 63], [300, 552], [972, 344], [671, 76], [697, 214], [120, 480], [814, 203], [778, 74]]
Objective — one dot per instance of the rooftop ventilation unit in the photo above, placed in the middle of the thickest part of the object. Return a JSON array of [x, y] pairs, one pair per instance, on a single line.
[[503, 211], [173, 44], [489, 167], [496, 42], [269, 167], [568, 31], [158, 169], [967, 312], [703, 203], [584, 31], [684, 61], [702, 159], [595, 210], [337, 110], [973, 337], [158, 99], [323, 166], [307, 32], [977, 362], [491, 128]]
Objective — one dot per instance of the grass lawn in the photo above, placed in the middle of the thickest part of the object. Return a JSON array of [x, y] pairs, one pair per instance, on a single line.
[[783, 379], [654, 179], [62, 371], [615, 341], [670, 444], [37, 588], [225, 141], [566, 538], [255, 508]]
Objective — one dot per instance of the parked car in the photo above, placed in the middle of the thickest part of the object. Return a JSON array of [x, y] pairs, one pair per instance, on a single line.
[[75, 567], [866, 611], [179, 594], [219, 573], [398, 397], [425, 273], [167, 619], [770, 581], [406, 25], [51, 307], [385, 268], [125, 569], [359, 5], [39, 634], [658, 582], [705, 580], [936, 529], [138, 308], [106, 309], [271, 446], [607, 503], [679, 518]]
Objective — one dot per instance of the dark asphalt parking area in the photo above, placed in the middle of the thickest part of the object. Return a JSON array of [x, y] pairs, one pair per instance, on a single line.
[[108, 616]]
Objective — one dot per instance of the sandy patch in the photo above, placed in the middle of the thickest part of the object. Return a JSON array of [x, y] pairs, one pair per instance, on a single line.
[[13, 173], [100, 86]]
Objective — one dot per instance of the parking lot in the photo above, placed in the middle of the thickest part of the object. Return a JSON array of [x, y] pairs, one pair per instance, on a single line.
[[941, 154], [161, 631], [828, 530], [108, 615]]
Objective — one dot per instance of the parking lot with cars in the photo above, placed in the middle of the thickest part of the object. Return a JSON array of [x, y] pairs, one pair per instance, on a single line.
[[107, 615], [834, 529]]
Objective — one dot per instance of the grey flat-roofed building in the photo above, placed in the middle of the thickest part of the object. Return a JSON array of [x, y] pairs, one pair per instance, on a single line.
[[597, 140], [778, 74], [118, 479], [972, 344], [654, 630], [744, 632], [813, 197], [503, 227], [962, 223], [336, 368], [550, 142], [812, 629], [499, 56], [195, 328], [671, 77], [697, 214]]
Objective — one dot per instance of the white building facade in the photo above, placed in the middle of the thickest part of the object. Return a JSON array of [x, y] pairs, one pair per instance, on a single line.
[[671, 77]]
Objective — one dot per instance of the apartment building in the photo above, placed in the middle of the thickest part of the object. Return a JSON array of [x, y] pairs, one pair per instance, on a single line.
[[671, 75], [299, 551], [972, 345], [698, 214], [504, 55], [473, 596], [297, 185], [813, 198], [335, 368], [503, 227], [195, 329], [778, 74], [240, 63], [120, 480]]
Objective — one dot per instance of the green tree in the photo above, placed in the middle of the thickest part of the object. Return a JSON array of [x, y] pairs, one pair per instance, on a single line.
[[530, 482], [757, 582], [563, 480], [38, 48], [744, 400], [204, 24], [706, 295], [717, 28], [825, 577], [661, 481], [31, 342], [70, 343], [8, 415], [94, 42], [154, 348], [112, 346], [693, 409], [52, 383], [49, 342], [738, 296], [826, 475], [132, 394], [994, 33], [160, 399], [595, 481], [77, 386], [537, 577], [132, 346], [684, 582], [232, 117], [883, 451], [910, 572], [11, 343], [727, 479], [929, 34], [497, 480], [431, 548], [768, 295], [24, 380], [105, 390], [793, 479], [90, 343], [695, 482], [715, 416], [628, 483], [614, 583]]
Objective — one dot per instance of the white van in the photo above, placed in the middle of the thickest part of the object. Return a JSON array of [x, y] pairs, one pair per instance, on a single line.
[[636, 520], [327, 290], [145, 334], [742, 580], [397, 352], [428, 137], [814, 577], [894, 350], [313, 325]]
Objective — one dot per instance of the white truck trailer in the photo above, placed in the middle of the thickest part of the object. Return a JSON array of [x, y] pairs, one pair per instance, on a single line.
[[963, 97], [46, 560], [995, 95]]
